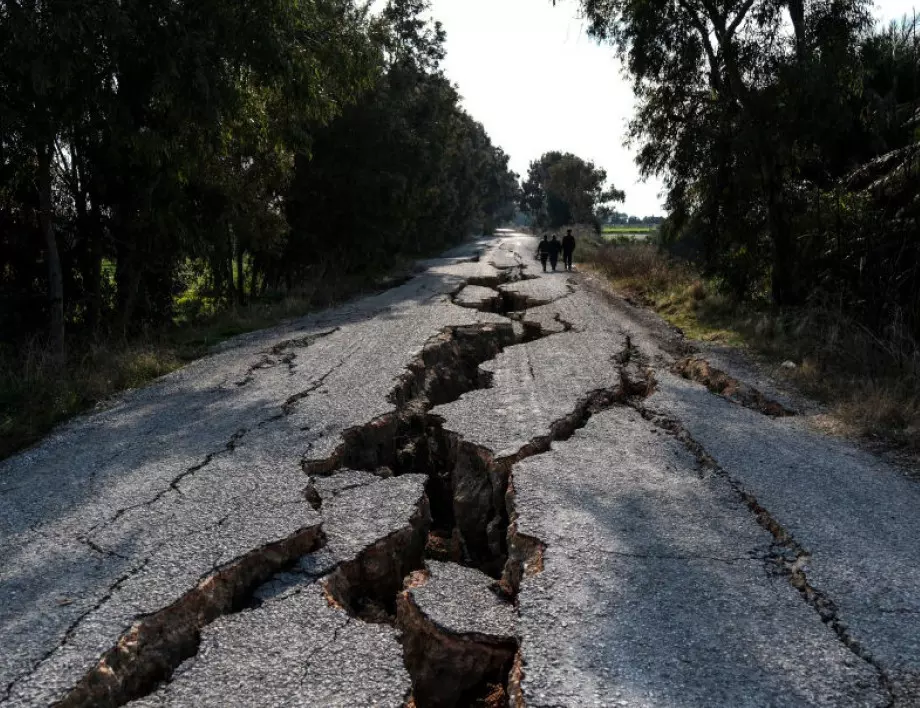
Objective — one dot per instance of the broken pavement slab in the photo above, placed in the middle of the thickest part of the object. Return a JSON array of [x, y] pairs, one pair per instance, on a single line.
[[533, 292], [302, 645], [458, 635], [297, 651], [478, 297], [653, 588]]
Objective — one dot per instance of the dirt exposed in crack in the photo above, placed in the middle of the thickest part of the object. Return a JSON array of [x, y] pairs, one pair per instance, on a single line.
[[787, 557], [468, 528], [451, 669], [491, 542], [506, 303], [156, 644], [503, 302], [719, 382], [367, 586], [473, 527], [409, 440]]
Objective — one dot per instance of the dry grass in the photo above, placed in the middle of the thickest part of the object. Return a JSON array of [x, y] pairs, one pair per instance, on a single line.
[[36, 394], [870, 383]]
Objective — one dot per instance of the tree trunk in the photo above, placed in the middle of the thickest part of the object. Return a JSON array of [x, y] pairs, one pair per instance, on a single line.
[[253, 279], [797, 16], [227, 265], [94, 308], [55, 275], [88, 225], [240, 276], [127, 272], [783, 278]]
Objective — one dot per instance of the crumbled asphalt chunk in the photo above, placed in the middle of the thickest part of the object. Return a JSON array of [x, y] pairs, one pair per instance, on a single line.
[[458, 636], [717, 381], [463, 600], [478, 297]]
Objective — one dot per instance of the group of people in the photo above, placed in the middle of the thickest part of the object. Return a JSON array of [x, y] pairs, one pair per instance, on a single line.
[[548, 250]]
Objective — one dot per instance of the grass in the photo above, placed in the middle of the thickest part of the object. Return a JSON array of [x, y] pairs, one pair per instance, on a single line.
[[870, 384], [37, 394], [628, 229]]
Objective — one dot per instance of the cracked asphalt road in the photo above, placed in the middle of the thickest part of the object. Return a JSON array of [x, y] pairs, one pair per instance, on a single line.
[[590, 528]]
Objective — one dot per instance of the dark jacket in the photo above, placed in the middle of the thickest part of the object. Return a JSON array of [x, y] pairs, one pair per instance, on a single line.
[[568, 243], [554, 248]]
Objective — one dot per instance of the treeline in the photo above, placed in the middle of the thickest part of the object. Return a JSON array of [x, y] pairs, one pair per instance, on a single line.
[[562, 188], [240, 148], [788, 136], [622, 218]]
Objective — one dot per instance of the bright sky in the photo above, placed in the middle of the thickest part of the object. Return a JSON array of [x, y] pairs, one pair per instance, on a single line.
[[531, 75]]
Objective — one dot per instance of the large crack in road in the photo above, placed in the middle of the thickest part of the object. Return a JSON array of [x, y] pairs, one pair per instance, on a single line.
[[485, 487]]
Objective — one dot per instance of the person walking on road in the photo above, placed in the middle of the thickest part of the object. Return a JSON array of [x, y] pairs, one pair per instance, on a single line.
[[554, 248], [543, 251], [568, 247]]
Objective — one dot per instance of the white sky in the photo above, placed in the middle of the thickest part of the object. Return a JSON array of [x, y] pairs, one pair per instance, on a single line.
[[531, 75]]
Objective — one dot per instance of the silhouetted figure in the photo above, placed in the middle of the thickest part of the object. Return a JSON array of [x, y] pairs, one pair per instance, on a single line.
[[554, 248], [568, 248], [543, 251]]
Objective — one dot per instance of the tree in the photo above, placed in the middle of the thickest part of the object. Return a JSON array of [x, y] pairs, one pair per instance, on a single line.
[[786, 135], [403, 171], [149, 149], [138, 119], [564, 189], [729, 103]]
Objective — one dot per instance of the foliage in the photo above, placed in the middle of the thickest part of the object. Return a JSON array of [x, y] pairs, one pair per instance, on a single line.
[[564, 189], [404, 171], [240, 147], [786, 134]]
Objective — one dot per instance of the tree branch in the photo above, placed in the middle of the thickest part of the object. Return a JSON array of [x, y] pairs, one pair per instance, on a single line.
[[704, 36], [740, 16]]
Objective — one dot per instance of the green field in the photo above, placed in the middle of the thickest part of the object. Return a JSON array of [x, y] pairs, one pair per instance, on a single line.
[[628, 229], [622, 233]]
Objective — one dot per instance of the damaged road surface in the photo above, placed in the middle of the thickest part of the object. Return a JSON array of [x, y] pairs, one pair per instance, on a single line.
[[487, 486]]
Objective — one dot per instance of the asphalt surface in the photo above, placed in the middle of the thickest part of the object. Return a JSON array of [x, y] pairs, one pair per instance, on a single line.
[[239, 532]]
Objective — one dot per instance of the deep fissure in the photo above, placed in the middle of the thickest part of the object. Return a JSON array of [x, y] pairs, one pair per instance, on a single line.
[[409, 440], [474, 531], [157, 643]]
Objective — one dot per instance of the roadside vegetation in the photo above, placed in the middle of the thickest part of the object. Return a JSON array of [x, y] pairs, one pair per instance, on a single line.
[[870, 384], [173, 174], [627, 229]]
